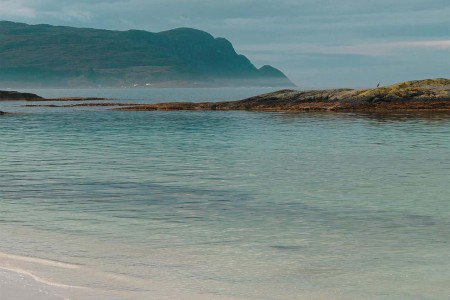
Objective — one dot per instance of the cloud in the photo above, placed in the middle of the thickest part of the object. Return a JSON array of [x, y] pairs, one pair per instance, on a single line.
[[16, 9], [368, 49], [70, 14], [46, 11], [290, 34], [391, 48], [443, 44]]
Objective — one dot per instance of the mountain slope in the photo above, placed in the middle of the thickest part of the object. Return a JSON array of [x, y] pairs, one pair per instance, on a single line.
[[67, 56]]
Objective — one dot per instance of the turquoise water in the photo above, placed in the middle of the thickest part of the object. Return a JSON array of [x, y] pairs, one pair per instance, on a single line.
[[242, 205]]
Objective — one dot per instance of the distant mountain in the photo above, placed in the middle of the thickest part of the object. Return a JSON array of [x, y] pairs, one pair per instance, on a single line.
[[44, 55]]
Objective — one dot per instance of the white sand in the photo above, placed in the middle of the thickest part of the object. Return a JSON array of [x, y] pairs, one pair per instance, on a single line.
[[17, 286], [29, 278]]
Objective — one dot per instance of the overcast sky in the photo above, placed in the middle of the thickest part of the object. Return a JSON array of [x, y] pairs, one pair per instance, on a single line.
[[317, 43]]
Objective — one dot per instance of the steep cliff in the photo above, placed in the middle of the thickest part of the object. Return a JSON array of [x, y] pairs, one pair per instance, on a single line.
[[44, 55]]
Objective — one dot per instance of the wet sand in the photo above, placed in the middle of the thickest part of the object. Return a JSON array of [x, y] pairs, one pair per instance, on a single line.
[[32, 278], [21, 286]]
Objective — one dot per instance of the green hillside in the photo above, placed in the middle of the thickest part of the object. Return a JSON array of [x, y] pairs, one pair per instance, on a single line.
[[44, 55]]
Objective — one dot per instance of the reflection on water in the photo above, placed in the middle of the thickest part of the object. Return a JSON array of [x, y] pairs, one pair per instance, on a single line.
[[438, 116], [429, 116]]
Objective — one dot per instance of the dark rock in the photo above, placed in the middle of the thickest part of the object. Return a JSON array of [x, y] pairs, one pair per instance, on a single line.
[[12, 96], [430, 94]]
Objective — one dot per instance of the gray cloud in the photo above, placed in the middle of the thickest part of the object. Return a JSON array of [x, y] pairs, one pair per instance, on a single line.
[[317, 43]]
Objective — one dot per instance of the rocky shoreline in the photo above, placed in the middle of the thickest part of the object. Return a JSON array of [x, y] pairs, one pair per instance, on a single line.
[[429, 94], [419, 95]]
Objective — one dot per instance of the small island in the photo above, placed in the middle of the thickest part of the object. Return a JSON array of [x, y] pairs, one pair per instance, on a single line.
[[18, 96], [15, 96], [417, 95], [429, 94]]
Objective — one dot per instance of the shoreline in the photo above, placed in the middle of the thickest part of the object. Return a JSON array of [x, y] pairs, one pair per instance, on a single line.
[[26, 277], [421, 95], [411, 107], [21, 284], [428, 94], [20, 279], [303, 107], [18, 96]]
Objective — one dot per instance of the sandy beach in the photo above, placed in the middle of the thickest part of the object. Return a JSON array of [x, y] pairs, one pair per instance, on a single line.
[[19, 286]]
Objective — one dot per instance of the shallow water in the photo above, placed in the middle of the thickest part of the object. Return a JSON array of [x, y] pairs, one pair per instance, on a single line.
[[238, 205]]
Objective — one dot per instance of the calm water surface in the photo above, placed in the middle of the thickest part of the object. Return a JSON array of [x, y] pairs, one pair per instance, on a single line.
[[239, 205]]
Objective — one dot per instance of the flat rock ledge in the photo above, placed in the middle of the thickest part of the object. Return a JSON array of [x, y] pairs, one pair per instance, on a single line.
[[429, 94], [17, 96]]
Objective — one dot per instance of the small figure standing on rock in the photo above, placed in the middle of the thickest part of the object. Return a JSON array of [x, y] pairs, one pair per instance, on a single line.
[[378, 85]]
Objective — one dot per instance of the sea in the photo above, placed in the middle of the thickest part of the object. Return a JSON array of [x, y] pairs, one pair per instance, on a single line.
[[97, 203]]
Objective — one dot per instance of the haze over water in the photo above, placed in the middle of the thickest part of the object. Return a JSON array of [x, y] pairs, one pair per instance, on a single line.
[[218, 205]]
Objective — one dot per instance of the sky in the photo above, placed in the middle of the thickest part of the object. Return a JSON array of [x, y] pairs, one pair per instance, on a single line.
[[316, 43]]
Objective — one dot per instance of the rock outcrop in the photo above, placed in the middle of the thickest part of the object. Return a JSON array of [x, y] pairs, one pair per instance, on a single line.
[[429, 94], [17, 96], [13, 96]]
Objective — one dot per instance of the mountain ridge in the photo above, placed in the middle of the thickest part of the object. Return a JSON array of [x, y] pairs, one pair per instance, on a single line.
[[69, 56]]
